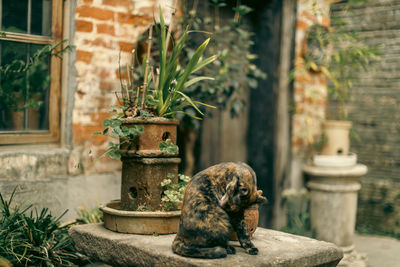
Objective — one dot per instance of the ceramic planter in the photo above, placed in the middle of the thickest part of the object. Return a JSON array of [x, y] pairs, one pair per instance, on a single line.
[[144, 167], [139, 222], [146, 144], [141, 181], [338, 137]]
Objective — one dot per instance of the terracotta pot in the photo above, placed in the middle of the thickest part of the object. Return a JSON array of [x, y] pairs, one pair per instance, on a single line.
[[141, 181], [338, 137], [251, 217], [144, 166], [146, 144], [139, 222]]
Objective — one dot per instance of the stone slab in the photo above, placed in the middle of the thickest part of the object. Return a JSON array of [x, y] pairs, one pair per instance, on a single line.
[[275, 249]]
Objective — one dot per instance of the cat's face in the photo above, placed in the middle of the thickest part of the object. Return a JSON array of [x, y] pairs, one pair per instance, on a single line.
[[241, 192]]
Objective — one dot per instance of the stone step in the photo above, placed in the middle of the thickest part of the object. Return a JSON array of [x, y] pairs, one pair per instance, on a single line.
[[275, 249]]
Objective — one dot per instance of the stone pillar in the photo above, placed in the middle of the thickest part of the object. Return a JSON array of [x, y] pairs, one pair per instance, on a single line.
[[334, 202]]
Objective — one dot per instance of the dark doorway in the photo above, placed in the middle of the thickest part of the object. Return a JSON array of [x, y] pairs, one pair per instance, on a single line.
[[269, 120]]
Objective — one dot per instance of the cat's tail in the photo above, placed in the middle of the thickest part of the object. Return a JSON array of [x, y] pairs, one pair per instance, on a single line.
[[180, 248]]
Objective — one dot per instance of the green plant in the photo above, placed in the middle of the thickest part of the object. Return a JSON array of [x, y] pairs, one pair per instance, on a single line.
[[168, 147], [349, 55], [173, 193], [86, 216], [298, 213], [162, 93], [23, 80], [36, 239], [233, 70], [114, 129]]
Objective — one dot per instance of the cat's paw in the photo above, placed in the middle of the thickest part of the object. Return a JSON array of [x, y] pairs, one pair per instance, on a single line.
[[230, 250], [252, 251]]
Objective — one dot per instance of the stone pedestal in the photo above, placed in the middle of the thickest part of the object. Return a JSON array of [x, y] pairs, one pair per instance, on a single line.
[[275, 249], [334, 202]]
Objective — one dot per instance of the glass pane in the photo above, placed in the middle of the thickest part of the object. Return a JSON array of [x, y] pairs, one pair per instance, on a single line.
[[24, 92], [15, 16], [41, 17]]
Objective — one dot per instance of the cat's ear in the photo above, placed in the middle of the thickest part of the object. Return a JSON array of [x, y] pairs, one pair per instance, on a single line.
[[261, 199]]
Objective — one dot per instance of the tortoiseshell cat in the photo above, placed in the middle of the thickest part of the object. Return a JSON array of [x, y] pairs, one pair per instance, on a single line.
[[215, 200]]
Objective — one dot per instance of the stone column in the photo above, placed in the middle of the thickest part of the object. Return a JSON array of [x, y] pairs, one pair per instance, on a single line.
[[334, 202]]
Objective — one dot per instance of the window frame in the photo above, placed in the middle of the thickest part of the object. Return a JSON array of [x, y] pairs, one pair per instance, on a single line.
[[53, 133]]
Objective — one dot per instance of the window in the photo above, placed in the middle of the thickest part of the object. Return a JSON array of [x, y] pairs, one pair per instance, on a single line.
[[29, 97]]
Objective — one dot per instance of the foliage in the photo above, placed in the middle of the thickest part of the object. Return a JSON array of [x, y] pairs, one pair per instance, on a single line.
[[86, 216], [233, 70], [168, 147], [36, 239], [115, 129], [162, 93], [298, 212], [349, 55], [19, 75], [173, 193]]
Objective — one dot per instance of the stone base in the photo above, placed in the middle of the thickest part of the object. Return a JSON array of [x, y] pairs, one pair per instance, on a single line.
[[354, 259], [275, 249]]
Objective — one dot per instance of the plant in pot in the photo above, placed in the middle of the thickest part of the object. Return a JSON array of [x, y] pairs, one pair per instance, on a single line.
[[146, 131], [24, 84], [345, 56]]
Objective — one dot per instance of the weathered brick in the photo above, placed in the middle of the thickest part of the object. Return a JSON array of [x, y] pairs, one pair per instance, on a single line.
[[127, 18], [124, 3], [98, 42], [84, 56], [105, 29], [302, 25], [125, 46], [95, 12], [83, 26]]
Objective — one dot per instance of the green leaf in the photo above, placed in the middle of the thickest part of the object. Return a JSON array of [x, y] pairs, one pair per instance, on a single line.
[[195, 80], [190, 101]]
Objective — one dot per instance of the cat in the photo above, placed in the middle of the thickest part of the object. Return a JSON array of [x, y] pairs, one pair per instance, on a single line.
[[214, 201]]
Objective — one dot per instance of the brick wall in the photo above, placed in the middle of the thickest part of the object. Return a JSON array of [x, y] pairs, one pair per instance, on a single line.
[[309, 87], [375, 112], [104, 28]]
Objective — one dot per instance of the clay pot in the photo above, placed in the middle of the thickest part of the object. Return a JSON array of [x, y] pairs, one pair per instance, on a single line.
[[145, 166], [338, 137], [251, 217], [139, 222], [146, 144]]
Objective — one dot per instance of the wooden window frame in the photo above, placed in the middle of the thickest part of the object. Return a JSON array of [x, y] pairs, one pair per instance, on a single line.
[[53, 133]]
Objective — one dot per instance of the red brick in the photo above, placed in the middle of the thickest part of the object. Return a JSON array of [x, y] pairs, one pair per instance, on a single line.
[[105, 86], [98, 42], [124, 74], [94, 12], [83, 134], [83, 26], [125, 46], [84, 56], [302, 25], [104, 74], [124, 3], [106, 29], [127, 18], [326, 21]]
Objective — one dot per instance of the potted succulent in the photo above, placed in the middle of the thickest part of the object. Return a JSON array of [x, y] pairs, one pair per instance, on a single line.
[[146, 130]]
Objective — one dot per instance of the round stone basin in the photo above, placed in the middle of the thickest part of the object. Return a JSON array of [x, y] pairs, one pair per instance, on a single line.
[[335, 160], [139, 222]]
